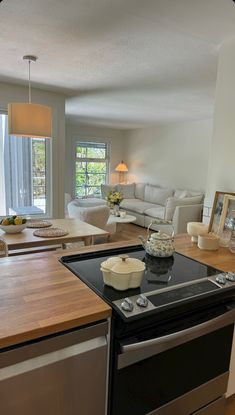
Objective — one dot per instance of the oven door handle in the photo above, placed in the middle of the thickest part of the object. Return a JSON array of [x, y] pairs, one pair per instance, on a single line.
[[131, 353]]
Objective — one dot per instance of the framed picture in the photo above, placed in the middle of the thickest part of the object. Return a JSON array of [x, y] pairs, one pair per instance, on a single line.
[[228, 212], [216, 213]]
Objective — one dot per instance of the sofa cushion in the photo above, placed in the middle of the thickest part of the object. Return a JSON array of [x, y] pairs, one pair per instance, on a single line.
[[91, 202], [106, 188], [127, 190], [156, 212], [139, 190], [172, 202], [156, 195], [136, 205], [195, 193]]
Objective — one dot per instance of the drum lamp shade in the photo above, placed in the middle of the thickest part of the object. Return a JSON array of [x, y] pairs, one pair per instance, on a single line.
[[29, 120]]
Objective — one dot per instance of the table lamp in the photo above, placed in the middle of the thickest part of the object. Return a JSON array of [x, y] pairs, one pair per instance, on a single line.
[[121, 168]]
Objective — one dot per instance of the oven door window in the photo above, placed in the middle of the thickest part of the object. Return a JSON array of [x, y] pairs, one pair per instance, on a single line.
[[148, 384]]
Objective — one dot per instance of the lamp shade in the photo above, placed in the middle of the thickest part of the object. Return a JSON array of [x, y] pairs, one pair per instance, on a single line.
[[29, 120], [121, 167]]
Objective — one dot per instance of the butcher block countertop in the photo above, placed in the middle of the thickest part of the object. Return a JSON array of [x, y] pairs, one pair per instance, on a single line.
[[222, 259], [39, 296]]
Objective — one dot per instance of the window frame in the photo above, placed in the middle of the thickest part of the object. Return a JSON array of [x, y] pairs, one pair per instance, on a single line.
[[77, 141], [48, 179]]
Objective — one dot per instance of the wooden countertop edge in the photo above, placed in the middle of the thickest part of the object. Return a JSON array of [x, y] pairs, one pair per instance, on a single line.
[[36, 334]]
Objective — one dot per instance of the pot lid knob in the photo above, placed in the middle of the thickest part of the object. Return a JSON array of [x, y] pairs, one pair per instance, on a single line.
[[123, 257]]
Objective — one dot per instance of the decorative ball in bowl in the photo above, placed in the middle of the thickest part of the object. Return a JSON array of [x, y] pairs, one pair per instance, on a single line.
[[13, 224]]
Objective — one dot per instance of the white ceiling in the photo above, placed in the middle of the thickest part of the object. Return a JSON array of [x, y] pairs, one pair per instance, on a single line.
[[122, 63]]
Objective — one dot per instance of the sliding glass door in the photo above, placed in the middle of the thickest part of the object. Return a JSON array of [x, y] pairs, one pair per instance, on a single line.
[[23, 174]]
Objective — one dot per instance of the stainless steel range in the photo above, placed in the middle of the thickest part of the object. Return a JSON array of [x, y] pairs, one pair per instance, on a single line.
[[171, 338]]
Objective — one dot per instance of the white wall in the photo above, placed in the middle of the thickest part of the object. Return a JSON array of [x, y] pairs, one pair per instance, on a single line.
[[221, 174], [16, 93], [76, 132], [175, 155]]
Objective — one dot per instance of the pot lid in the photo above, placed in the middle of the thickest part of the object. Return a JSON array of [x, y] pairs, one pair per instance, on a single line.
[[160, 235], [123, 264]]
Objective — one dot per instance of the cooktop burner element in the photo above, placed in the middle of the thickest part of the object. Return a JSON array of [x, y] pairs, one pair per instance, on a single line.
[[166, 283]]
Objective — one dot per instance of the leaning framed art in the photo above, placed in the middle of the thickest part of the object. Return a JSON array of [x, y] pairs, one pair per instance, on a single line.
[[217, 208]]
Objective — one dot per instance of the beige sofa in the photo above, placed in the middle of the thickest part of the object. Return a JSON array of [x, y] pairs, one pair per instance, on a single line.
[[147, 202]]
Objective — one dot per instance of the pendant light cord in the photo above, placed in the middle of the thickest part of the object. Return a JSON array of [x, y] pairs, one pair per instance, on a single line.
[[29, 83], [30, 58]]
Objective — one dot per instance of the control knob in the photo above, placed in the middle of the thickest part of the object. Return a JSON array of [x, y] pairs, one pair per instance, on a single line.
[[221, 279], [142, 301], [127, 304], [230, 276]]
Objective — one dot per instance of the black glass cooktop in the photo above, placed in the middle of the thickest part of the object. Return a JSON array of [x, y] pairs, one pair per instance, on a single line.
[[160, 272]]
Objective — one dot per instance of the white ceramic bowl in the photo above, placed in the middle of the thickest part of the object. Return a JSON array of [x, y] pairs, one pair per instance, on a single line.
[[13, 228]]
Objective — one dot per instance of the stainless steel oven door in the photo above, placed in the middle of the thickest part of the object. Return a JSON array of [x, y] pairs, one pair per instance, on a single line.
[[181, 371]]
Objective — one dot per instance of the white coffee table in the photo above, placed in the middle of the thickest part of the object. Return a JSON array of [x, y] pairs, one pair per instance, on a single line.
[[120, 221]]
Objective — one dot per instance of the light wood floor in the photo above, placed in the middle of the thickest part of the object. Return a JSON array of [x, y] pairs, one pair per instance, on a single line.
[[129, 231], [230, 408]]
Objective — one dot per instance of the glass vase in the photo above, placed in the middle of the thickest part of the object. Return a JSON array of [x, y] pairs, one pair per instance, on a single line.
[[116, 210], [232, 243]]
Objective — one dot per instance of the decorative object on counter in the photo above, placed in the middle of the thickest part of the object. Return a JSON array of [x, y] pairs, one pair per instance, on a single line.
[[3, 248], [208, 242], [50, 232], [224, 238], [122, 169], [13, 224], [232, 244], [159, 244], [217, 210], [39, 224], [122, 272], [195, 229]]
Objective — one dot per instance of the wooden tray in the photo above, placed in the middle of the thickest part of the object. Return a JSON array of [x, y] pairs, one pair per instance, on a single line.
[[50, 233], [39, 224]]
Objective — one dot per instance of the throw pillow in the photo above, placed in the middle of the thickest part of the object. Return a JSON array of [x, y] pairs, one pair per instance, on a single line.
[[157, 195], [106, 188], [181, 194], [172, 202], [127, 190], [139, 190]]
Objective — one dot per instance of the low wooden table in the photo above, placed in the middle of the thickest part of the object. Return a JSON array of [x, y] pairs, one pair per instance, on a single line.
[[77, 231]]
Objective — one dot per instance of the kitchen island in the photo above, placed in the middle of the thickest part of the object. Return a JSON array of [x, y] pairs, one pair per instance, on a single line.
[[39, 296]]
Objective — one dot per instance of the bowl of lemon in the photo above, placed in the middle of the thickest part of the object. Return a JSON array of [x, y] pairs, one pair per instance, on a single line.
[[13, 224]]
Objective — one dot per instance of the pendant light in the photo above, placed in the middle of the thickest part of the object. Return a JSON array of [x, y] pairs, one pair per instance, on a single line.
[[27, 119]]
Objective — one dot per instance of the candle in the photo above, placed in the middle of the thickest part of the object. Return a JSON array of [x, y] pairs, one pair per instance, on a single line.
[[209, 242]]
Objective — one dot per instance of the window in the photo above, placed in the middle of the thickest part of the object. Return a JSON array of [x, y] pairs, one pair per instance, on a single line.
[[23, 173], [91, 168]]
